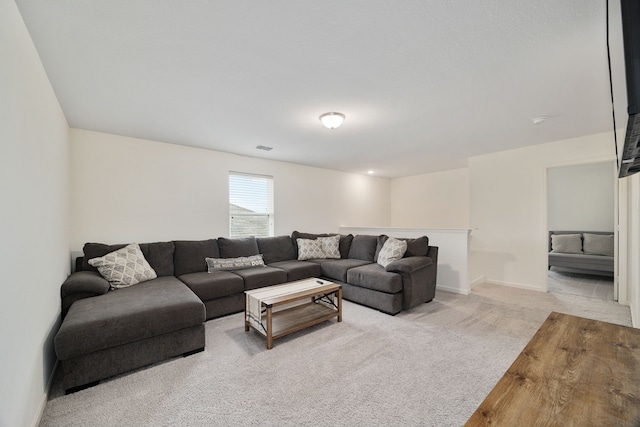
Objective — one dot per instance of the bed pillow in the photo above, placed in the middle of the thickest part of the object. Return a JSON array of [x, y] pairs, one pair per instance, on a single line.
[[566, 243], [230, 264], [598, 244], [124, 267]]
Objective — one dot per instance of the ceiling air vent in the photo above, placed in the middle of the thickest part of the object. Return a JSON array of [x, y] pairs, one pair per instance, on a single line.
[[264, 147]]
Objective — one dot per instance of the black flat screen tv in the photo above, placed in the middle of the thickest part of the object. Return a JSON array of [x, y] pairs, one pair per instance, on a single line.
[[630, 155]]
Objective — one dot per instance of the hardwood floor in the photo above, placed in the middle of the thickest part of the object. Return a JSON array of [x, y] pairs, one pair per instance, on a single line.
[[573, 372]]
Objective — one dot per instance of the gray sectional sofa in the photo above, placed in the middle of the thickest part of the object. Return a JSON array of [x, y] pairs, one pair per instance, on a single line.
[[106, 332]]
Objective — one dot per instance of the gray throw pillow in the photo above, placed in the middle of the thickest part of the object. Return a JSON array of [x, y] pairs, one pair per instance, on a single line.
[[566, 243], [230, 264], [124, 267], [598, 244]]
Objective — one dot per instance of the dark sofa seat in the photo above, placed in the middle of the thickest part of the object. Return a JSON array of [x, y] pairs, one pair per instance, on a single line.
[[163, 307], [298, 270], [336, 269], [375, 277], [208, 286]]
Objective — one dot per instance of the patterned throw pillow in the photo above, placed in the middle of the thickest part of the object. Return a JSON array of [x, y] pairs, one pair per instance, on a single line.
[[309, 249], [392, 250], [124, 267], [239, 263], [330, 246]]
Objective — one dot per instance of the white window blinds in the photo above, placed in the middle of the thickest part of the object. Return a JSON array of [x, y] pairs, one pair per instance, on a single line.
[[250, 205]]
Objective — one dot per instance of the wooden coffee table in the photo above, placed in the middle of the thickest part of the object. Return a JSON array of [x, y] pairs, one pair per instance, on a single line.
[[276, 311]]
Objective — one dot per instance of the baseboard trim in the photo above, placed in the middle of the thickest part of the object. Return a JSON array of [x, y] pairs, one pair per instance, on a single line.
[[477, 281], [452, 289], [45, 397], [514, 285]]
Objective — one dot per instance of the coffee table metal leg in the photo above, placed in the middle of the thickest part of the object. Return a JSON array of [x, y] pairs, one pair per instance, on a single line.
[[246, 322], [339, 305], [269, 328]]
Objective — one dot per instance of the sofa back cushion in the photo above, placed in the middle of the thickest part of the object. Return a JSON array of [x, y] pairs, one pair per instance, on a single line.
[[363, 247], [276, 249], [598, 244], [234, 248], [189, 255], [159, 255], [417, 247], [345, 241]]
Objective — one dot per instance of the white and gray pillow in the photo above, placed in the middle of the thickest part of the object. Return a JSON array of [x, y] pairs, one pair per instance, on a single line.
[[566, 243], [125, 267], [238, 263], [330, 246], [598, 244], [392, 250], [309, 249]]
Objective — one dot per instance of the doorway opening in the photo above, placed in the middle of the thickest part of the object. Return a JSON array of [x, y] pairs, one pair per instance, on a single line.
[[581, 229]]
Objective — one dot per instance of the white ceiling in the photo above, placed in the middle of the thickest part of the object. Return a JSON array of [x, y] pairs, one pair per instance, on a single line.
[[423, 84]]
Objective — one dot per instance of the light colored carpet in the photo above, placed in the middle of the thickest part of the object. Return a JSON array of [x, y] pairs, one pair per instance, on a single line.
[[431, 366], [587, 285]]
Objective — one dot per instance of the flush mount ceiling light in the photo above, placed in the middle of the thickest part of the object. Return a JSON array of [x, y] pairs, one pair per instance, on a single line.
[[538, 120], [332, 120]]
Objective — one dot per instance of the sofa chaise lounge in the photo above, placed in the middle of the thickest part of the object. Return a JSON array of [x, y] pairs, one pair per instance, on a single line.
[[105, 332]]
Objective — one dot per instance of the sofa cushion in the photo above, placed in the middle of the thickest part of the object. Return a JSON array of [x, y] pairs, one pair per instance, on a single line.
[[208, 286], [233, 248], [124, 267], [598, 244], [261, 277], [275, 249], [298, 270], [336, 269], [417, 247], [345, 241], [189, 255], [374, 276], [126, 315], [392, 250], [381, 240], [230, 264], [363, 247], [566, 243], [159, 255]]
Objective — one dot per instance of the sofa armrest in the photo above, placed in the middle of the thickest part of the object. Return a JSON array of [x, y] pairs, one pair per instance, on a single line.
[[419, 275], [82, 284], [409, 265]]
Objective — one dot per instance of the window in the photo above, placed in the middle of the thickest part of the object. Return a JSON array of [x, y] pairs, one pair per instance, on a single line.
[[250, 205]]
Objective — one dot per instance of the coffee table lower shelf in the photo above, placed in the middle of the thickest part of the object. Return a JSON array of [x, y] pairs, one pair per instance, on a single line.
[[294, 319]]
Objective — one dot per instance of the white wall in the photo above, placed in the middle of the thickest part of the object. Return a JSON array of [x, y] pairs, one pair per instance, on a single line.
[[126, 189], [434, 200], [34, 246], [508, 207], [581, 197], [630, 221]]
